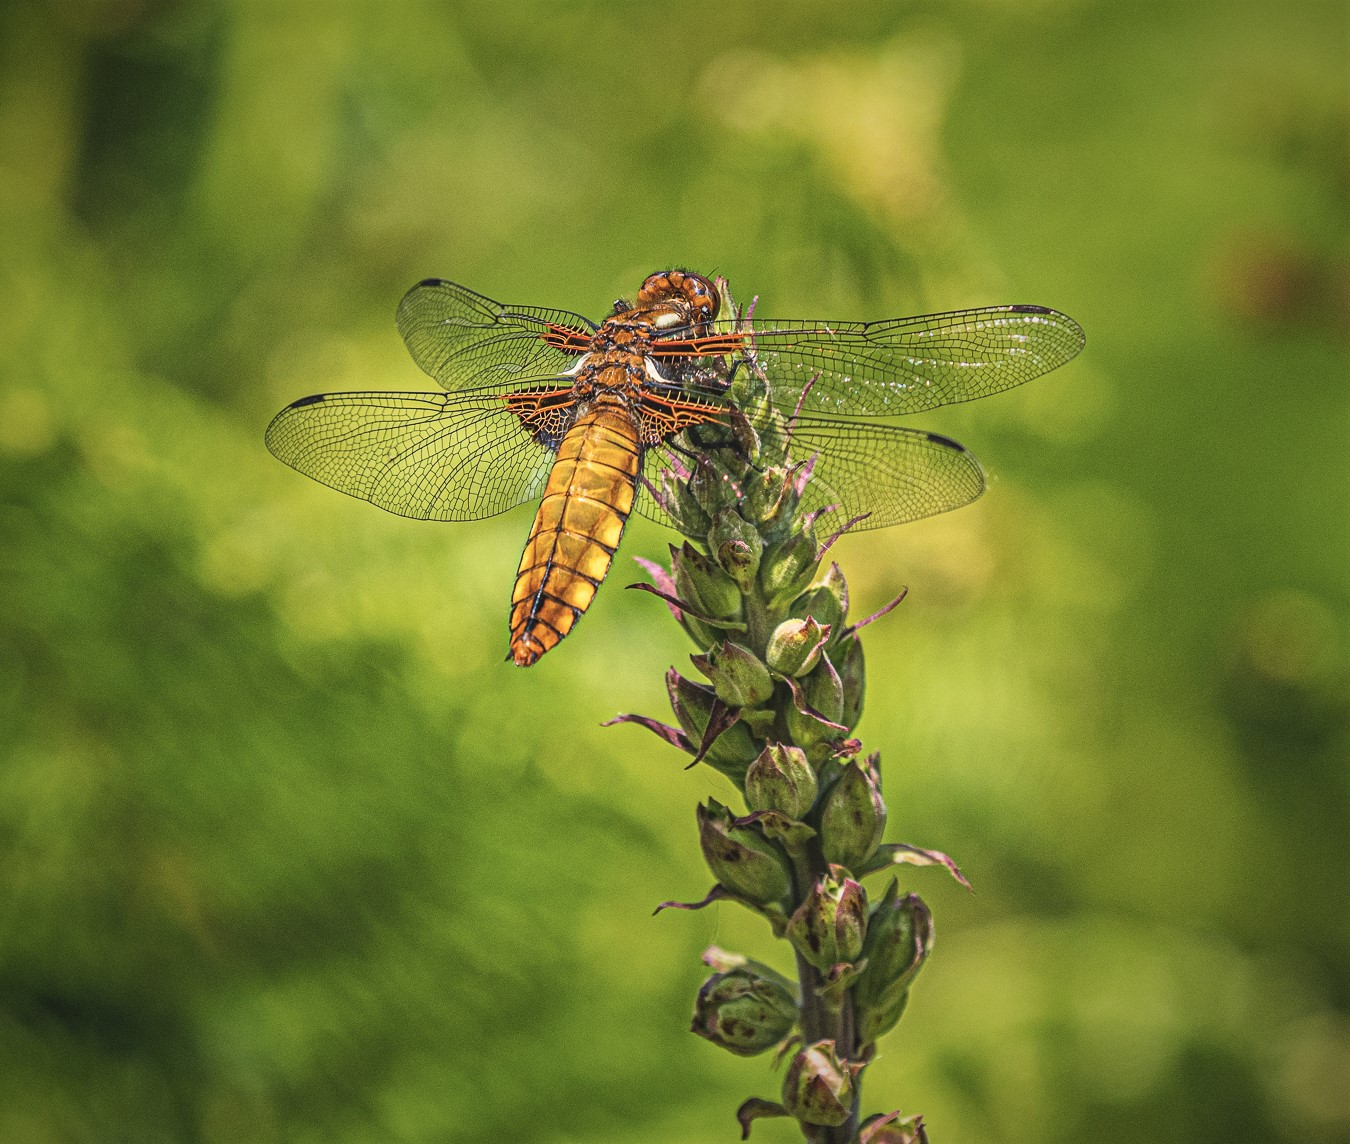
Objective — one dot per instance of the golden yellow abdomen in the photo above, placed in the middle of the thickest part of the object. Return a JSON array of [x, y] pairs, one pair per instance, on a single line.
[[586, 504]]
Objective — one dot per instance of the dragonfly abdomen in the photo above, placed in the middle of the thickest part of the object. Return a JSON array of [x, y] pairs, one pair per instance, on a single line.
[[581, 518]]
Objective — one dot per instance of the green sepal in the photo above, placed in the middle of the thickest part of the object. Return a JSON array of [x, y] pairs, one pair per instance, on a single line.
[[737, 546], [744, 1012], [683, 510], [757, 1108], [788, 567], [817, 704], [725, 960], [733, 750], [795, 646], [899, 939], [827, 928], [852, 679], [741, 858], [818, 1086], [826, 600], [853, 814], [700, 581], [781, 779], [791, 833], [902, 854], [769, 496], [738, 676]]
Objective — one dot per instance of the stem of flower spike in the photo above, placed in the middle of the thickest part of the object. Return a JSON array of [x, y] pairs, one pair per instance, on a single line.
[[783, 692], [817, 1019]]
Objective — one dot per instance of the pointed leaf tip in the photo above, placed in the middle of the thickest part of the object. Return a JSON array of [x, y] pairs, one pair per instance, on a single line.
[[757, 1109], [672, 735], [852, 629], [716, 894], [902, 854]]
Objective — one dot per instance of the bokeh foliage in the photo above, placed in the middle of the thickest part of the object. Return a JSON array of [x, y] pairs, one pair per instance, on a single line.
[[290, 854]]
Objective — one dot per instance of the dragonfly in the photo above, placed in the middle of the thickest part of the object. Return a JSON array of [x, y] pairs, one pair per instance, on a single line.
[[544, 404]]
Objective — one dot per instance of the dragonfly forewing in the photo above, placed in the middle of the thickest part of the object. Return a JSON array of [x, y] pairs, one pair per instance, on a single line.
[[463, 339]]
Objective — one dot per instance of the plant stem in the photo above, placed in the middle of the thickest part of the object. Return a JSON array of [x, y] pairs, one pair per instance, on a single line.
[[821, 1019]]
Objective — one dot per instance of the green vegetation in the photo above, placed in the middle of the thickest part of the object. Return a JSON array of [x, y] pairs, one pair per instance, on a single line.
[[290, 854]]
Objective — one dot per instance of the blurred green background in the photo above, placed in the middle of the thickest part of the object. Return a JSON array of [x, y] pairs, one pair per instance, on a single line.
[[290, 854]]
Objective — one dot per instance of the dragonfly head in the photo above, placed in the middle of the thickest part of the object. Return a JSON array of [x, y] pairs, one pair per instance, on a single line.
[[674, 299]]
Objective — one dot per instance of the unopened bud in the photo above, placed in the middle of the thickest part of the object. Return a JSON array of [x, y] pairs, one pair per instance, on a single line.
[[826, 600], [733, 750], [692, 703], [902, 1130], [852, 678], [795, 646], [684, 510], [818, 1087], [737, 675], [823, 692], [708, 487], [702, 584], [737, 545], [827, 928], [744, 1012], [788, 567], [899, 938], [854, 816], [742, 860], [781, 779], [769, 496]]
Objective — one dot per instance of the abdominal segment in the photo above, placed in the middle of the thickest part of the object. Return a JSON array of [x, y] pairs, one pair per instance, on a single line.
[[586, 504]]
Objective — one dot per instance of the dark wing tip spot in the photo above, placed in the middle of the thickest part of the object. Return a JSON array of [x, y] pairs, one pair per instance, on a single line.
[[1031, 309], [312, 399], [947, 442]]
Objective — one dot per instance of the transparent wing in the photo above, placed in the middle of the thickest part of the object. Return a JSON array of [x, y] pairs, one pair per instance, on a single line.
[[463, 339], [890, 473], [886, 474], [433, 456], [904, 365]]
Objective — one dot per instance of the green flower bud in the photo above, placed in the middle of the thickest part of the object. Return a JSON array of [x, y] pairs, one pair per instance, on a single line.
[[788, 567], [826, 600], [899, 939], [737, 675], [702, 584], [781, 779], [745, 436], [893, 1129], [742, 860], [733, 750], [854, 816], [853, 678], [683, 509], [833, 582], [744, 1012], [827, 928], [769, 496], [823, 692], [692, 704], [818, 1087], [737, 545], [795, 646], [709, 487]]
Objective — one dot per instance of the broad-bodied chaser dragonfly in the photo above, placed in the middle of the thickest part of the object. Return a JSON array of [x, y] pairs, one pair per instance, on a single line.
[[544, 404]]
